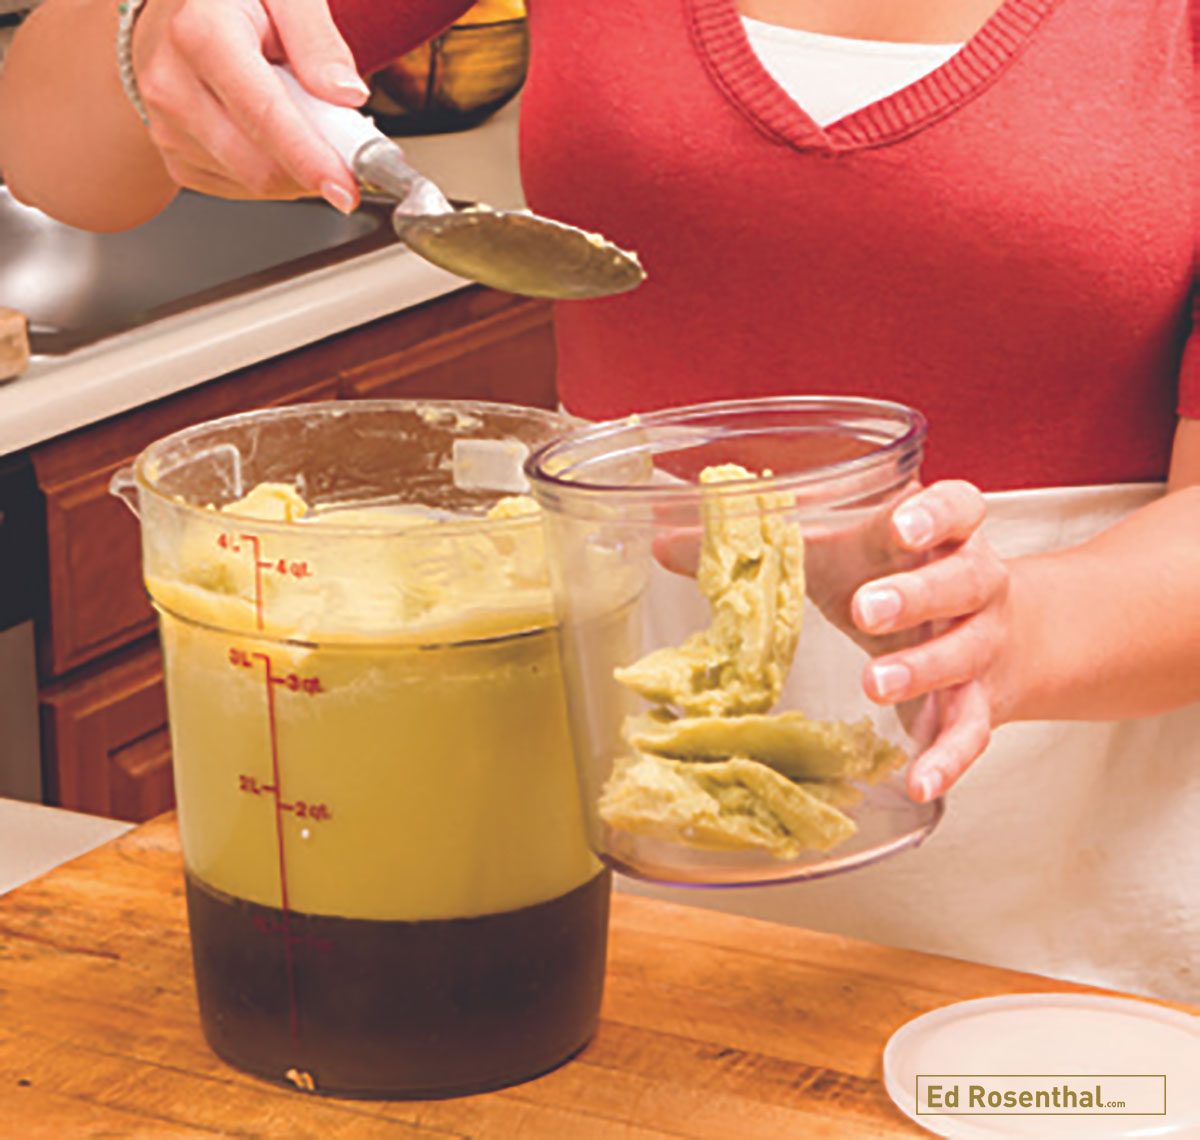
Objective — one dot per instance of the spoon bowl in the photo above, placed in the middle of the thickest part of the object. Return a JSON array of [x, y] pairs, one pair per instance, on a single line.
[[512, 250]]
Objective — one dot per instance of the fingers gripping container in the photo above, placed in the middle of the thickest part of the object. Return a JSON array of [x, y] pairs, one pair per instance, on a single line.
[[389, 888], [704, 560]]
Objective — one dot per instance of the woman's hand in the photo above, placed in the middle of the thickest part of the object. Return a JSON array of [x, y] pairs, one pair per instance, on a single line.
[[963, 593], [221, 118]]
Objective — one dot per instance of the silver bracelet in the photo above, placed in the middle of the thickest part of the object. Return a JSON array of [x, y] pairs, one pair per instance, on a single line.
[[127, 12]]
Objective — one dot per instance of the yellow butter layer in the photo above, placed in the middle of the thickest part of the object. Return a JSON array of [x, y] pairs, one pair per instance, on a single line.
[[435, 783], [420, 771]]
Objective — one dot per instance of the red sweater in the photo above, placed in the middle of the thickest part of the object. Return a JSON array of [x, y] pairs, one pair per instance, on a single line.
[[1007, 244]]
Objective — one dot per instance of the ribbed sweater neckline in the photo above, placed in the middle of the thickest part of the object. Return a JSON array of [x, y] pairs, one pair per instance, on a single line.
[[721, 39]]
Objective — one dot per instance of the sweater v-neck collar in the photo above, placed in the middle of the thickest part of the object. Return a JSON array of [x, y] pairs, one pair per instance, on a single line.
[[721, 40]]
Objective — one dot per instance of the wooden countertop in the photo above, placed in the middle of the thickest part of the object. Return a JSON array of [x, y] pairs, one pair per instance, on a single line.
[[713, 1026]]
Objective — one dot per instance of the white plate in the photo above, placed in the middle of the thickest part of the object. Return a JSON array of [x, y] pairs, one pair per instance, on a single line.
[[1050, 1035]]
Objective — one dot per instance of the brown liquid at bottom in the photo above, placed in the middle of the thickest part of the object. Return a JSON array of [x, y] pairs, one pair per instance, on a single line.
[[399, 1009]]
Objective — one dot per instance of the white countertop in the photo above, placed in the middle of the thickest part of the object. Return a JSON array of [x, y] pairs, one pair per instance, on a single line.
[[58, 394]]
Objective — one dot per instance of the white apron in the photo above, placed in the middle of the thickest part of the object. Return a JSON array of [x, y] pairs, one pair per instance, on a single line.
[[1070, 849]]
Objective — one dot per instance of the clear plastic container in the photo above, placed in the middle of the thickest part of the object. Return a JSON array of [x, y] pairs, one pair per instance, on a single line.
[[389, 888], [714, 678]]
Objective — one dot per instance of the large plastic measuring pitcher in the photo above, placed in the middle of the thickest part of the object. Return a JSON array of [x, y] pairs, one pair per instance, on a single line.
[[389, 888]]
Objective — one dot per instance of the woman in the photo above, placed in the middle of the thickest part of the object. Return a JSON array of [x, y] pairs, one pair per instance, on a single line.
[[983, 210]]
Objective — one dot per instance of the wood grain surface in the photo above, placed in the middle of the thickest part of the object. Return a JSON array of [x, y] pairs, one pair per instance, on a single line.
[[713, 1027]]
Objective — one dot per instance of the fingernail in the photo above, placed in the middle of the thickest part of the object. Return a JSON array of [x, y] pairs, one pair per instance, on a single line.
[[877, 607], [337, 196], [914, 525], [346, 79], [930, 787], [891, 678]]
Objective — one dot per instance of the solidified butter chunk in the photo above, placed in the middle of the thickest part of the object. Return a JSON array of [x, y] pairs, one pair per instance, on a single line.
[[752, 573], [271, 502], [209, 568], [836, 793], [688, 675], [727, 774], [393, 516], [789, 742], [513, 507], [734, 804], [431, 574]]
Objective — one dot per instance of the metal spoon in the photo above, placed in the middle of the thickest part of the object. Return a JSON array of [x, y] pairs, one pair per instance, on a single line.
[[512, 250]]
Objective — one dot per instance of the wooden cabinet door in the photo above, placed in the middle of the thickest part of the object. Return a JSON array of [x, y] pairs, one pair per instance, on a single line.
[[105, 735]]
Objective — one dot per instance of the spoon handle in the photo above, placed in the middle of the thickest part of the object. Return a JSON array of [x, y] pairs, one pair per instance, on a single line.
[[345, 129], [376, 161]]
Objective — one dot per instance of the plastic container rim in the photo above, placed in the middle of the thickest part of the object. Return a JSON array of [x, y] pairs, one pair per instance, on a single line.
[[467, 525], [897, 451]]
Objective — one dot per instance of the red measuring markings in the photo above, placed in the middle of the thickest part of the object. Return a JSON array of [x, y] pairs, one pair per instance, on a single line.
[[293, 682], [298, 809], [303, 810], [235, 543], [265, 926]]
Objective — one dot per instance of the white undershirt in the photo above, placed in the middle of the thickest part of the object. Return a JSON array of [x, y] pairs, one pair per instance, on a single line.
[[832, 76]]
